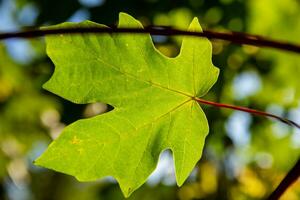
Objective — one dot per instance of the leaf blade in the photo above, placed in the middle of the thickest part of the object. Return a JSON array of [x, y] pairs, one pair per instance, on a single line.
[[153, 99]]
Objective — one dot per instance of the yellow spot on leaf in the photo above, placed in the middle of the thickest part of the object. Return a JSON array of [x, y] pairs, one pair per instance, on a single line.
[[75, 140]]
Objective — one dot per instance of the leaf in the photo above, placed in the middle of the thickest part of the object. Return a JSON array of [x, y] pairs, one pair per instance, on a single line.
[[152, 96]]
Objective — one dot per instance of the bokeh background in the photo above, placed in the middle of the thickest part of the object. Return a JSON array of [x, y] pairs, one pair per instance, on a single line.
[[245, 156]]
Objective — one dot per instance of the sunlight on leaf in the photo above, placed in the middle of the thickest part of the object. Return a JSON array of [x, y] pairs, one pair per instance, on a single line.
[[152, 96]]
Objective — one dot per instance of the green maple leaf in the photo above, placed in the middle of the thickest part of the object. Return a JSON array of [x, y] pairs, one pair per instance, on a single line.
[[153, 100]]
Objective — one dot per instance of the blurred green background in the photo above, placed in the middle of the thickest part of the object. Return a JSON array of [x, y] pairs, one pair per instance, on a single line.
[[245, 156]]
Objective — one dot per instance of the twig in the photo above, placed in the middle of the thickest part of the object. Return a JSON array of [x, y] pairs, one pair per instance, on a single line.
[[288, 180], [234, 37]]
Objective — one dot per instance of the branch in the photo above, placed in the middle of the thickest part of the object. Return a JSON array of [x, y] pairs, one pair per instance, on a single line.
[[288, 180], [248, 110], [234, 37]]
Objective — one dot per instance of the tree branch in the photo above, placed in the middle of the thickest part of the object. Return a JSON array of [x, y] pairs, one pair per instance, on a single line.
[[288, 180], [234, 37]]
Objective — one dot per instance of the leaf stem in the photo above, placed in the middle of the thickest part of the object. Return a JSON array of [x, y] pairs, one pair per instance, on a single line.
[[294, 173], [248, 110], [234, 37]]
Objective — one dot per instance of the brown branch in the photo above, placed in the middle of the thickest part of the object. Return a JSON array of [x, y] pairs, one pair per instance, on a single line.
[[288, 180], [234, 37], [248, 110]]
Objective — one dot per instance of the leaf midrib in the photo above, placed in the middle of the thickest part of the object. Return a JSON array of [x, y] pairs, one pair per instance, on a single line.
[[149, 82], [132, 76], [128, 74], [141, 126]]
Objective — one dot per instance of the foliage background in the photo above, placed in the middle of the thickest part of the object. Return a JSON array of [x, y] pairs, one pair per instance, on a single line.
[[245, 157]]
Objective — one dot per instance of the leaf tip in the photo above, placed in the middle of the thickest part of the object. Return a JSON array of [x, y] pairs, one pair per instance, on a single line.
[[195, 25], [45, 86], [38, 162], [124, 15], [127, 191], [180, 179], [180, 183], [48, 85], [126, 20]]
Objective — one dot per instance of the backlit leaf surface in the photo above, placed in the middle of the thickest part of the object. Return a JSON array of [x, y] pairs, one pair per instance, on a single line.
[[152, 96]]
